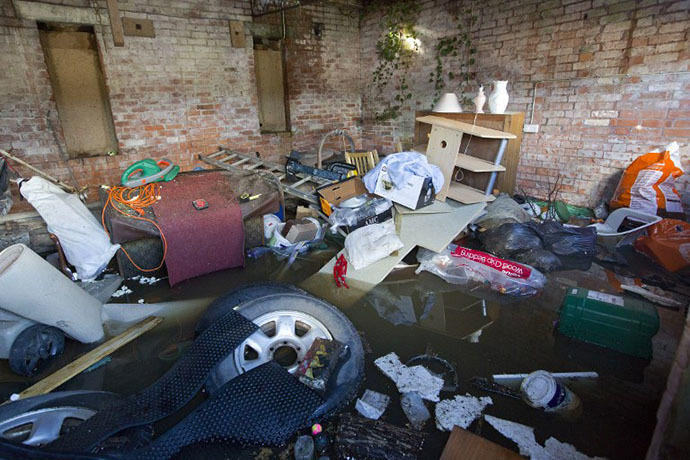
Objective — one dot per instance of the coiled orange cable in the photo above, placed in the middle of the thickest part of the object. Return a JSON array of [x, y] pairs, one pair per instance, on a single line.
[[137, 199]]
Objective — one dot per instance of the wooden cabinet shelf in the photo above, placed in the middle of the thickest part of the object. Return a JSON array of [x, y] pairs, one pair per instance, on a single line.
[[475, 164], [468, 195], [479, 141]]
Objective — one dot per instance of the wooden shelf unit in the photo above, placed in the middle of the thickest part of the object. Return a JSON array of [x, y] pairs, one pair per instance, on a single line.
[[444, 150], [509, 122]]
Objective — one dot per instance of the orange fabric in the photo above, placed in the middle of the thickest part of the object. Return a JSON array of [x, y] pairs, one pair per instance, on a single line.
[[632, 190], [668, 243]]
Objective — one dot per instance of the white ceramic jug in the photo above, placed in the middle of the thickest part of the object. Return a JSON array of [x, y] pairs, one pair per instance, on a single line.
[[498, 101]]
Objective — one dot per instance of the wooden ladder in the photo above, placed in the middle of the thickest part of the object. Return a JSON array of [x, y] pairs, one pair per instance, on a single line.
[[235, 161]]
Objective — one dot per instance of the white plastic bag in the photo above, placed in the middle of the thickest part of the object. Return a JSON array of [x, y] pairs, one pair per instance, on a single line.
[[84, 241], [371, 243], [458, 265]]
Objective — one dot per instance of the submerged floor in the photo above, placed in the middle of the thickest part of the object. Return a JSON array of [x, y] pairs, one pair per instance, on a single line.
[[412, 315]]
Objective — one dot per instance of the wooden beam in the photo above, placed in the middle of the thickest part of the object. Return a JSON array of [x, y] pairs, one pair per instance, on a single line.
[[82, 363], [35, 11], [115, 23], [237, 34]]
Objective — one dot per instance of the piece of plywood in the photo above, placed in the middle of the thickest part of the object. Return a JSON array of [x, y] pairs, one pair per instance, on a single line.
[[468, 195], [434, 208], [464, 445], [463, 127], [136, 27], [270, 88], [476, 164], [237, 34], [82, 363], [441, 151], [431, 231], [78, 85], [115, 23]]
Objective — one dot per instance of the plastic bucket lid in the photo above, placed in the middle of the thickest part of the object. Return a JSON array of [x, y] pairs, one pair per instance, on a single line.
[[539, 388]]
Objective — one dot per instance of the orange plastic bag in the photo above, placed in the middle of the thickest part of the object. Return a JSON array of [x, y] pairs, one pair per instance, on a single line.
[[648, 185], [668, 243]]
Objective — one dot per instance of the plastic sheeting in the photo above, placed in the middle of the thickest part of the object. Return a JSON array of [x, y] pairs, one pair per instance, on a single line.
[[401, 166], [81, 236]]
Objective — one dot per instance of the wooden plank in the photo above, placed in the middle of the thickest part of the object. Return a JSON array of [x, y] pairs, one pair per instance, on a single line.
[[476, 164], [136, 27], [237, 34], [464, 445], [59, 377], [115, 23], [443, 147], [268, 66], [35, 11], [468, 195], [475, 130]]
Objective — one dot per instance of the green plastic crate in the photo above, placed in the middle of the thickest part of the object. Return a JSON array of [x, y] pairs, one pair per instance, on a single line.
[[611, 321]]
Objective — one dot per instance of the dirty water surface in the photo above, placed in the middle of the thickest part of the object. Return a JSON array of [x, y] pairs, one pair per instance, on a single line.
[[479, 332]]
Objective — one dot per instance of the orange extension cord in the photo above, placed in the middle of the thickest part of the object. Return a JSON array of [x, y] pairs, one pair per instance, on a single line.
[[137, 199]]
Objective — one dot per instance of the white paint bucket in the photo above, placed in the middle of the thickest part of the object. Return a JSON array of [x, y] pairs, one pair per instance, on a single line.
[[32, 288], [541, 390]]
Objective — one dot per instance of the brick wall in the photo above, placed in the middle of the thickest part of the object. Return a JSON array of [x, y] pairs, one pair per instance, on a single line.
[[593, 121], [183, 92]]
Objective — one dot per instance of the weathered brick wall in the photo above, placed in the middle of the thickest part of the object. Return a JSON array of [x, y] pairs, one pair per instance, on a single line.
[[183, 92], [612, 76]]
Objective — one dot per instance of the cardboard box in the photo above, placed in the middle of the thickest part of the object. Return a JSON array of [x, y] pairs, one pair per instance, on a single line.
[[331, 196], [302, 230], [416, 194]]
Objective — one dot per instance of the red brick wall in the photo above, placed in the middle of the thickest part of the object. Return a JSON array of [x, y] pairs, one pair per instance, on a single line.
[[593, 122], [183, 92]]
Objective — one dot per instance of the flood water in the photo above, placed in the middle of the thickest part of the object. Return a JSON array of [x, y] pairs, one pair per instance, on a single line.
[[478, 331]]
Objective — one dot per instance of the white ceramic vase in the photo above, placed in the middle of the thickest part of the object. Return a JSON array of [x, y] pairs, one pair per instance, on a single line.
[[498, 101], [479, 100]]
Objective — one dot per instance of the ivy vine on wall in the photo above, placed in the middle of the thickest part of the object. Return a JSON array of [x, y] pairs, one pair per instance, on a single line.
[[454, 46], [396, 50]]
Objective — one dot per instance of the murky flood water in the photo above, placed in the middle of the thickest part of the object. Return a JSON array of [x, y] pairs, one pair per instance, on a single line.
[[477, 331]]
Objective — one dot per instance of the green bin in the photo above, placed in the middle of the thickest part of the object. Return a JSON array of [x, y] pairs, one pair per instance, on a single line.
[[611, 321]]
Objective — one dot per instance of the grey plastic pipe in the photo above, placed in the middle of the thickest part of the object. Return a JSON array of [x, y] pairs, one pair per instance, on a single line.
[[336, 132]]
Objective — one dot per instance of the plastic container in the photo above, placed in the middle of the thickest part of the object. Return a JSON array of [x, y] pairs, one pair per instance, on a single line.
[[541, 390], [32, 288], [623, 324], [271, 221]]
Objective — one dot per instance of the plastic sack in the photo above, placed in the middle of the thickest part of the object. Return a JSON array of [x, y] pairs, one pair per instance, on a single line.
[[400, 166], [648, 184], [459, 265], [341, 217], [567, 241], [81, 236], [668, 243], [501, 211], [371, 243], [284, 248], [510, 239]]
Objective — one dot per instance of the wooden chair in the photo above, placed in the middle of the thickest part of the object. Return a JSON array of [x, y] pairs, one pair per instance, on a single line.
[[363, 161]]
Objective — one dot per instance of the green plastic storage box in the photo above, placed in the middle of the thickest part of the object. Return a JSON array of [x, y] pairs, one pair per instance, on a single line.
[[611, 321]]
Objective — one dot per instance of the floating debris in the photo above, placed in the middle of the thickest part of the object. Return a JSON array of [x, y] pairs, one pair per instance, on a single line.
[[523, 436], [415, 410], [146, 279], [460, 411], [409, 379], [372, 404], [122, 291]]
